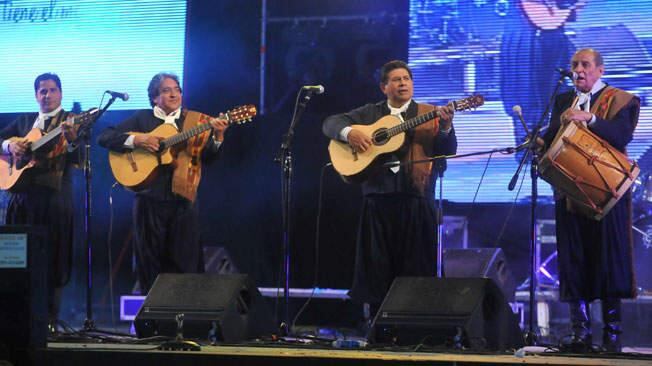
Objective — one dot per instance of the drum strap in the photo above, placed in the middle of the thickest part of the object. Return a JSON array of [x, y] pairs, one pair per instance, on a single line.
[[611, 101]]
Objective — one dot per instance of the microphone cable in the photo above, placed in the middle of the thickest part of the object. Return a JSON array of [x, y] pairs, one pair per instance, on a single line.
[[109, 240], [511, 207], [317, 230]]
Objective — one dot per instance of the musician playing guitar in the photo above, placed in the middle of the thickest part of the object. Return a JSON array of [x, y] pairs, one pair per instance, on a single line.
[[166, 228], [44, 196], [397, 232]]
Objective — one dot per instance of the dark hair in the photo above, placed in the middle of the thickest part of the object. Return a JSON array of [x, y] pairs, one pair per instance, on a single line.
[[390, 66], [47, 76], [154, 85]]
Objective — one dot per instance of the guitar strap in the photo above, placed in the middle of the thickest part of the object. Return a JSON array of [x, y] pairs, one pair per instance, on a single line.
[[422, 148], [55, 160], [61, 143], [187, 172]]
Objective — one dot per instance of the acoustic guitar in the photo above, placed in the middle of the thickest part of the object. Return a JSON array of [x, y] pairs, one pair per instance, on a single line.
[[135, 169], [40, 148], [387, 135]]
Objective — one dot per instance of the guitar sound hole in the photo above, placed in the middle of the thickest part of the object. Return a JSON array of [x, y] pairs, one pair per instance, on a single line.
[[380, 137]]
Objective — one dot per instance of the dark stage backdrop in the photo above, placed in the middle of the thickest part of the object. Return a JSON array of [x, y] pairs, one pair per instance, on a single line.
[[339, 44]]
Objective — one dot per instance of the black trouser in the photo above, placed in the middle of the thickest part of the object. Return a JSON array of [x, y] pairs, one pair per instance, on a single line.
[[396, 237], [166, 238]]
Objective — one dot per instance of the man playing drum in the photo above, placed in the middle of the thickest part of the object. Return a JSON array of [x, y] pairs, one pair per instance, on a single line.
[[595, 257]]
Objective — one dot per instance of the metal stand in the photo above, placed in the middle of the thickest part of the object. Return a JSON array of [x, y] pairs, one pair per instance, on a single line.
[[89, 323], [531, 149], [546, 277], [440, 166], [284, 157]]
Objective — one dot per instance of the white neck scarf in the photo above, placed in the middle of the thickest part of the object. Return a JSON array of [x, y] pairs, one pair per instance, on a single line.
[[397, 111], [584, 101], [42, 117], [168, 118]]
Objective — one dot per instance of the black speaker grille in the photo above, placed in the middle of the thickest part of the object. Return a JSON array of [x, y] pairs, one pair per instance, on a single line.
[[425, 297], [199, 292]]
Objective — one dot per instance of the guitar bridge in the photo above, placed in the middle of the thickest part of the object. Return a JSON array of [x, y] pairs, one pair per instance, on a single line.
[[355, 154], [132, 162]]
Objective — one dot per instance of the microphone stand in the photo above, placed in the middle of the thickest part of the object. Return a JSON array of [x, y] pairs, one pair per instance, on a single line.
[[530, 146], [504, 150], [89, 323], [284, 157], [440, 166]]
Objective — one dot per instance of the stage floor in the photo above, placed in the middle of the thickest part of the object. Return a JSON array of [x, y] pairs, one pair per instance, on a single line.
[[251, 354]]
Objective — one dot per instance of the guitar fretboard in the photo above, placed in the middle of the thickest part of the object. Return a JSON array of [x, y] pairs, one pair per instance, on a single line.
[[55, 132], [411, 123], [46, 138], [183, 136]]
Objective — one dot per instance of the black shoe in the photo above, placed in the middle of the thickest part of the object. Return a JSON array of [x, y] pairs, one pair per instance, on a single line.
[[611, 316], [581, 341], [578, 344], [611, 338]]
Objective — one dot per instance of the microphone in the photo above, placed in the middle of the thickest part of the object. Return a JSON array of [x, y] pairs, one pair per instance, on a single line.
[[569, 74], [123, 96], [518, 111], [317, 89]]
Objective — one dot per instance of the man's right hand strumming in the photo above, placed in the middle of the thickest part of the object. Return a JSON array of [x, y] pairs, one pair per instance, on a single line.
[[18, 148], [358, 140], [147, 142]]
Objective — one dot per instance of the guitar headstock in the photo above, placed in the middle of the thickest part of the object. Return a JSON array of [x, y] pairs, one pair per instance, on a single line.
[[85, 117], [242, 114], [471, 102]]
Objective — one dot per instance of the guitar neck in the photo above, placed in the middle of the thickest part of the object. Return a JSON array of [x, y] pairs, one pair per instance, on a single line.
[[412, 123], [56, 132], [237, 115], [46, 138], [185, 135]]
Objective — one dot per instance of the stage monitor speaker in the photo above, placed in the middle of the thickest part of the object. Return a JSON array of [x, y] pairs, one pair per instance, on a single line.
[[216, 307], [23, 291], [480, 262], [452, 312]]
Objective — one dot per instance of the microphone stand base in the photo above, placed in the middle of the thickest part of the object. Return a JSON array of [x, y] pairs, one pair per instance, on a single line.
[[89, 325], [179, 345], [530, 338]]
